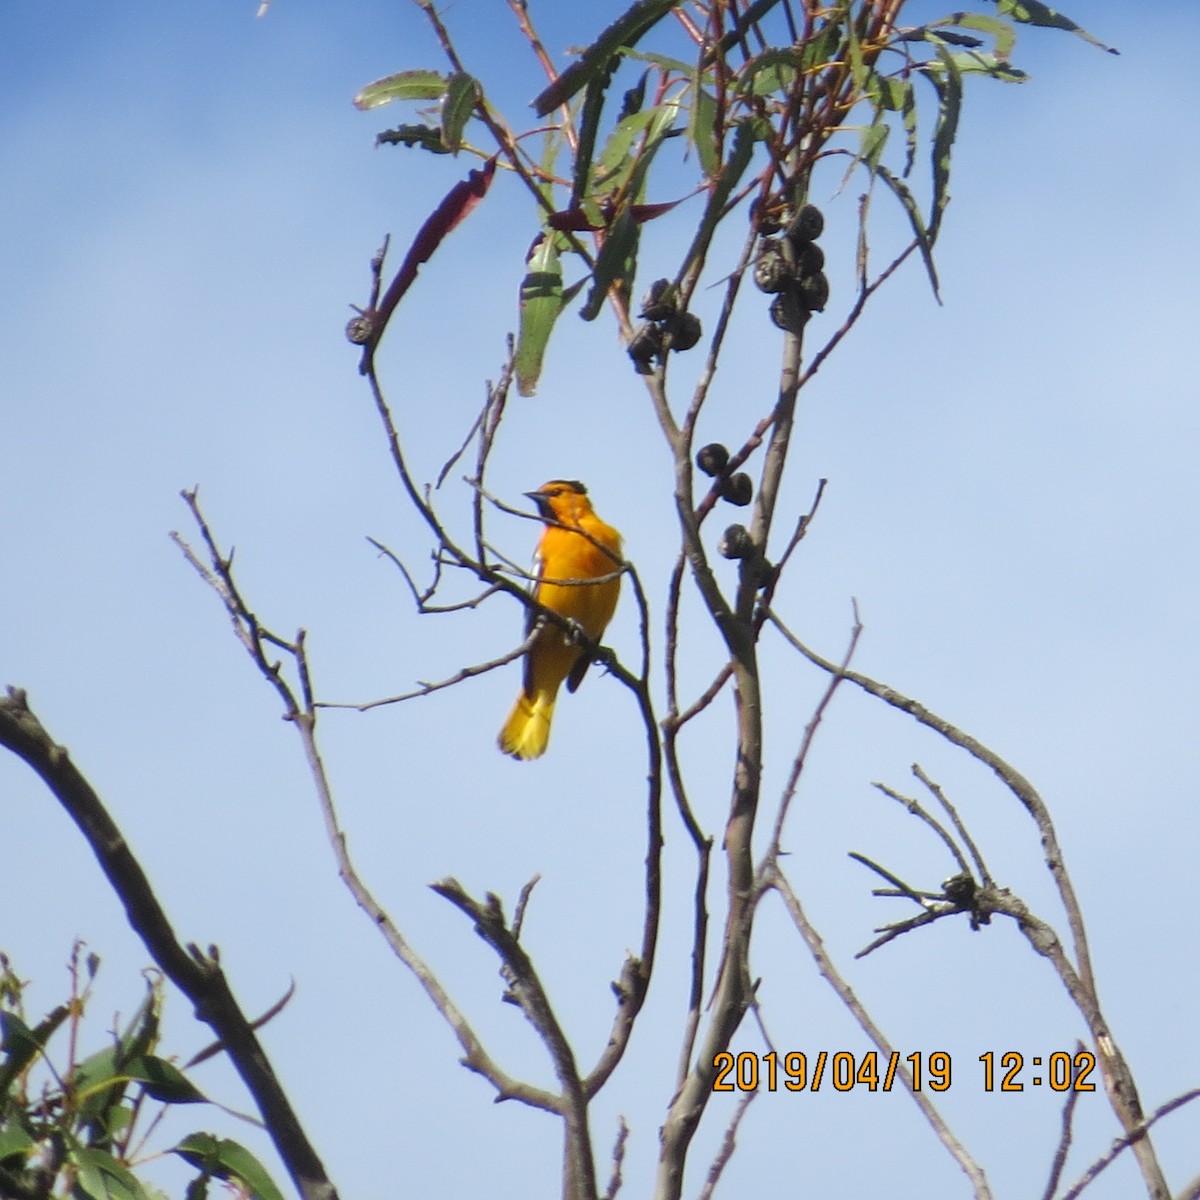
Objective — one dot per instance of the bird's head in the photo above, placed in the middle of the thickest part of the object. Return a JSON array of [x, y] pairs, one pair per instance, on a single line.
[[562, 500]]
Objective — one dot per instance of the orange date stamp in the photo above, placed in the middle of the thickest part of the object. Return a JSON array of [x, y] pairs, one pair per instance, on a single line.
[[873, 1071], [841, 1070]]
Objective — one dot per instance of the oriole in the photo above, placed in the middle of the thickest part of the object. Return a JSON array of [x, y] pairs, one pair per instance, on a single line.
[[575, 546]]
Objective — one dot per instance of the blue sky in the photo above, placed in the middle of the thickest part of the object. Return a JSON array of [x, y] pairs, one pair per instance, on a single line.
[[190, 206]]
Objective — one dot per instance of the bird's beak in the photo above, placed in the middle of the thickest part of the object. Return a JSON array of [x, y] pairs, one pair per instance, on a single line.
[[542, 503]]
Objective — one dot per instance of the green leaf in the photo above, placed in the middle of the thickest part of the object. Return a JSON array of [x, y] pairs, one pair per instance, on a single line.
[[102, 1177], [626, 30], [424, 136], [14, 1140], [541, 304], [1031, 12], [887, 91], [976, 62], [948, 84], [225, 1159], [1004, 36], [908, 110], [617, 149], [21, 1045], [741, 151], [771, 71], [874, 138], [745, 21], [95, 1076], [914, 216], [141, 1033], [462, 93], [615, 261], [164, 1081], [858, 70], [670, 66], [821, 47], [407, 85], [702, 120], [589, 125]]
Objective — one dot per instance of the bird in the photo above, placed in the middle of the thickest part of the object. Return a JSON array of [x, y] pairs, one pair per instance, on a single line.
[[575, 545]]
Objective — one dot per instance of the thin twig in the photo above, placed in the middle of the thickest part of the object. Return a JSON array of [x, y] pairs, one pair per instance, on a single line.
[[918, 810], [1130, 1138], [728, 1146], [618, 1160], [984, 874], [1068, 1124]]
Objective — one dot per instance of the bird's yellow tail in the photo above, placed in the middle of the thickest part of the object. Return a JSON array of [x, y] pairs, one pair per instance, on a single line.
[[526, 733]]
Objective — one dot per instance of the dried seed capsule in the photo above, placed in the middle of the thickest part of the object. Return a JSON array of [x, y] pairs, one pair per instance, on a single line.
[[359, 329], [685, 330], [810, 258], [960, 889], [771, 271], [711, 459], [659, 303], [807, 225], [735, 542], [767, 218], [787, 312], [738, 489], [644, 346], [814, 292]]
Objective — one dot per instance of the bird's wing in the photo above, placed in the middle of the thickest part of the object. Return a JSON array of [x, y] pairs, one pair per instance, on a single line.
[[536, 570]]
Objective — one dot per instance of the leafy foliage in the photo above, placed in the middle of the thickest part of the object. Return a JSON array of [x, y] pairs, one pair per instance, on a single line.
[[72, 1126], [843, 81]]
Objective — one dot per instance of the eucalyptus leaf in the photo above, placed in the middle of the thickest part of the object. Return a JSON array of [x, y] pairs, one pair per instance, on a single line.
[[424, 136], [226, 1159], [913, 211], [541, 304], [407, 85], [1032, 12], [626, 30], [616, 260], [462, 93]]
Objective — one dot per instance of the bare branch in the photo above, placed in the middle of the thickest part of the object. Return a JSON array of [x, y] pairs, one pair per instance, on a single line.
[[526, 990]]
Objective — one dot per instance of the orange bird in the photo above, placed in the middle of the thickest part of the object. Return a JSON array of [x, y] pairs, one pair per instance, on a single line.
[[576, 547]]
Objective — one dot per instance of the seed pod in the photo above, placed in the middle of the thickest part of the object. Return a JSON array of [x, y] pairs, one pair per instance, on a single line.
[[810, 258], [685, 330], [807, 225], [787, 312], [644, 346], [359, 329], [814, 292], [711, 459], [659, 303], [960, 889], [768, 219], [735, 542], [738, 489], [771, 271]]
